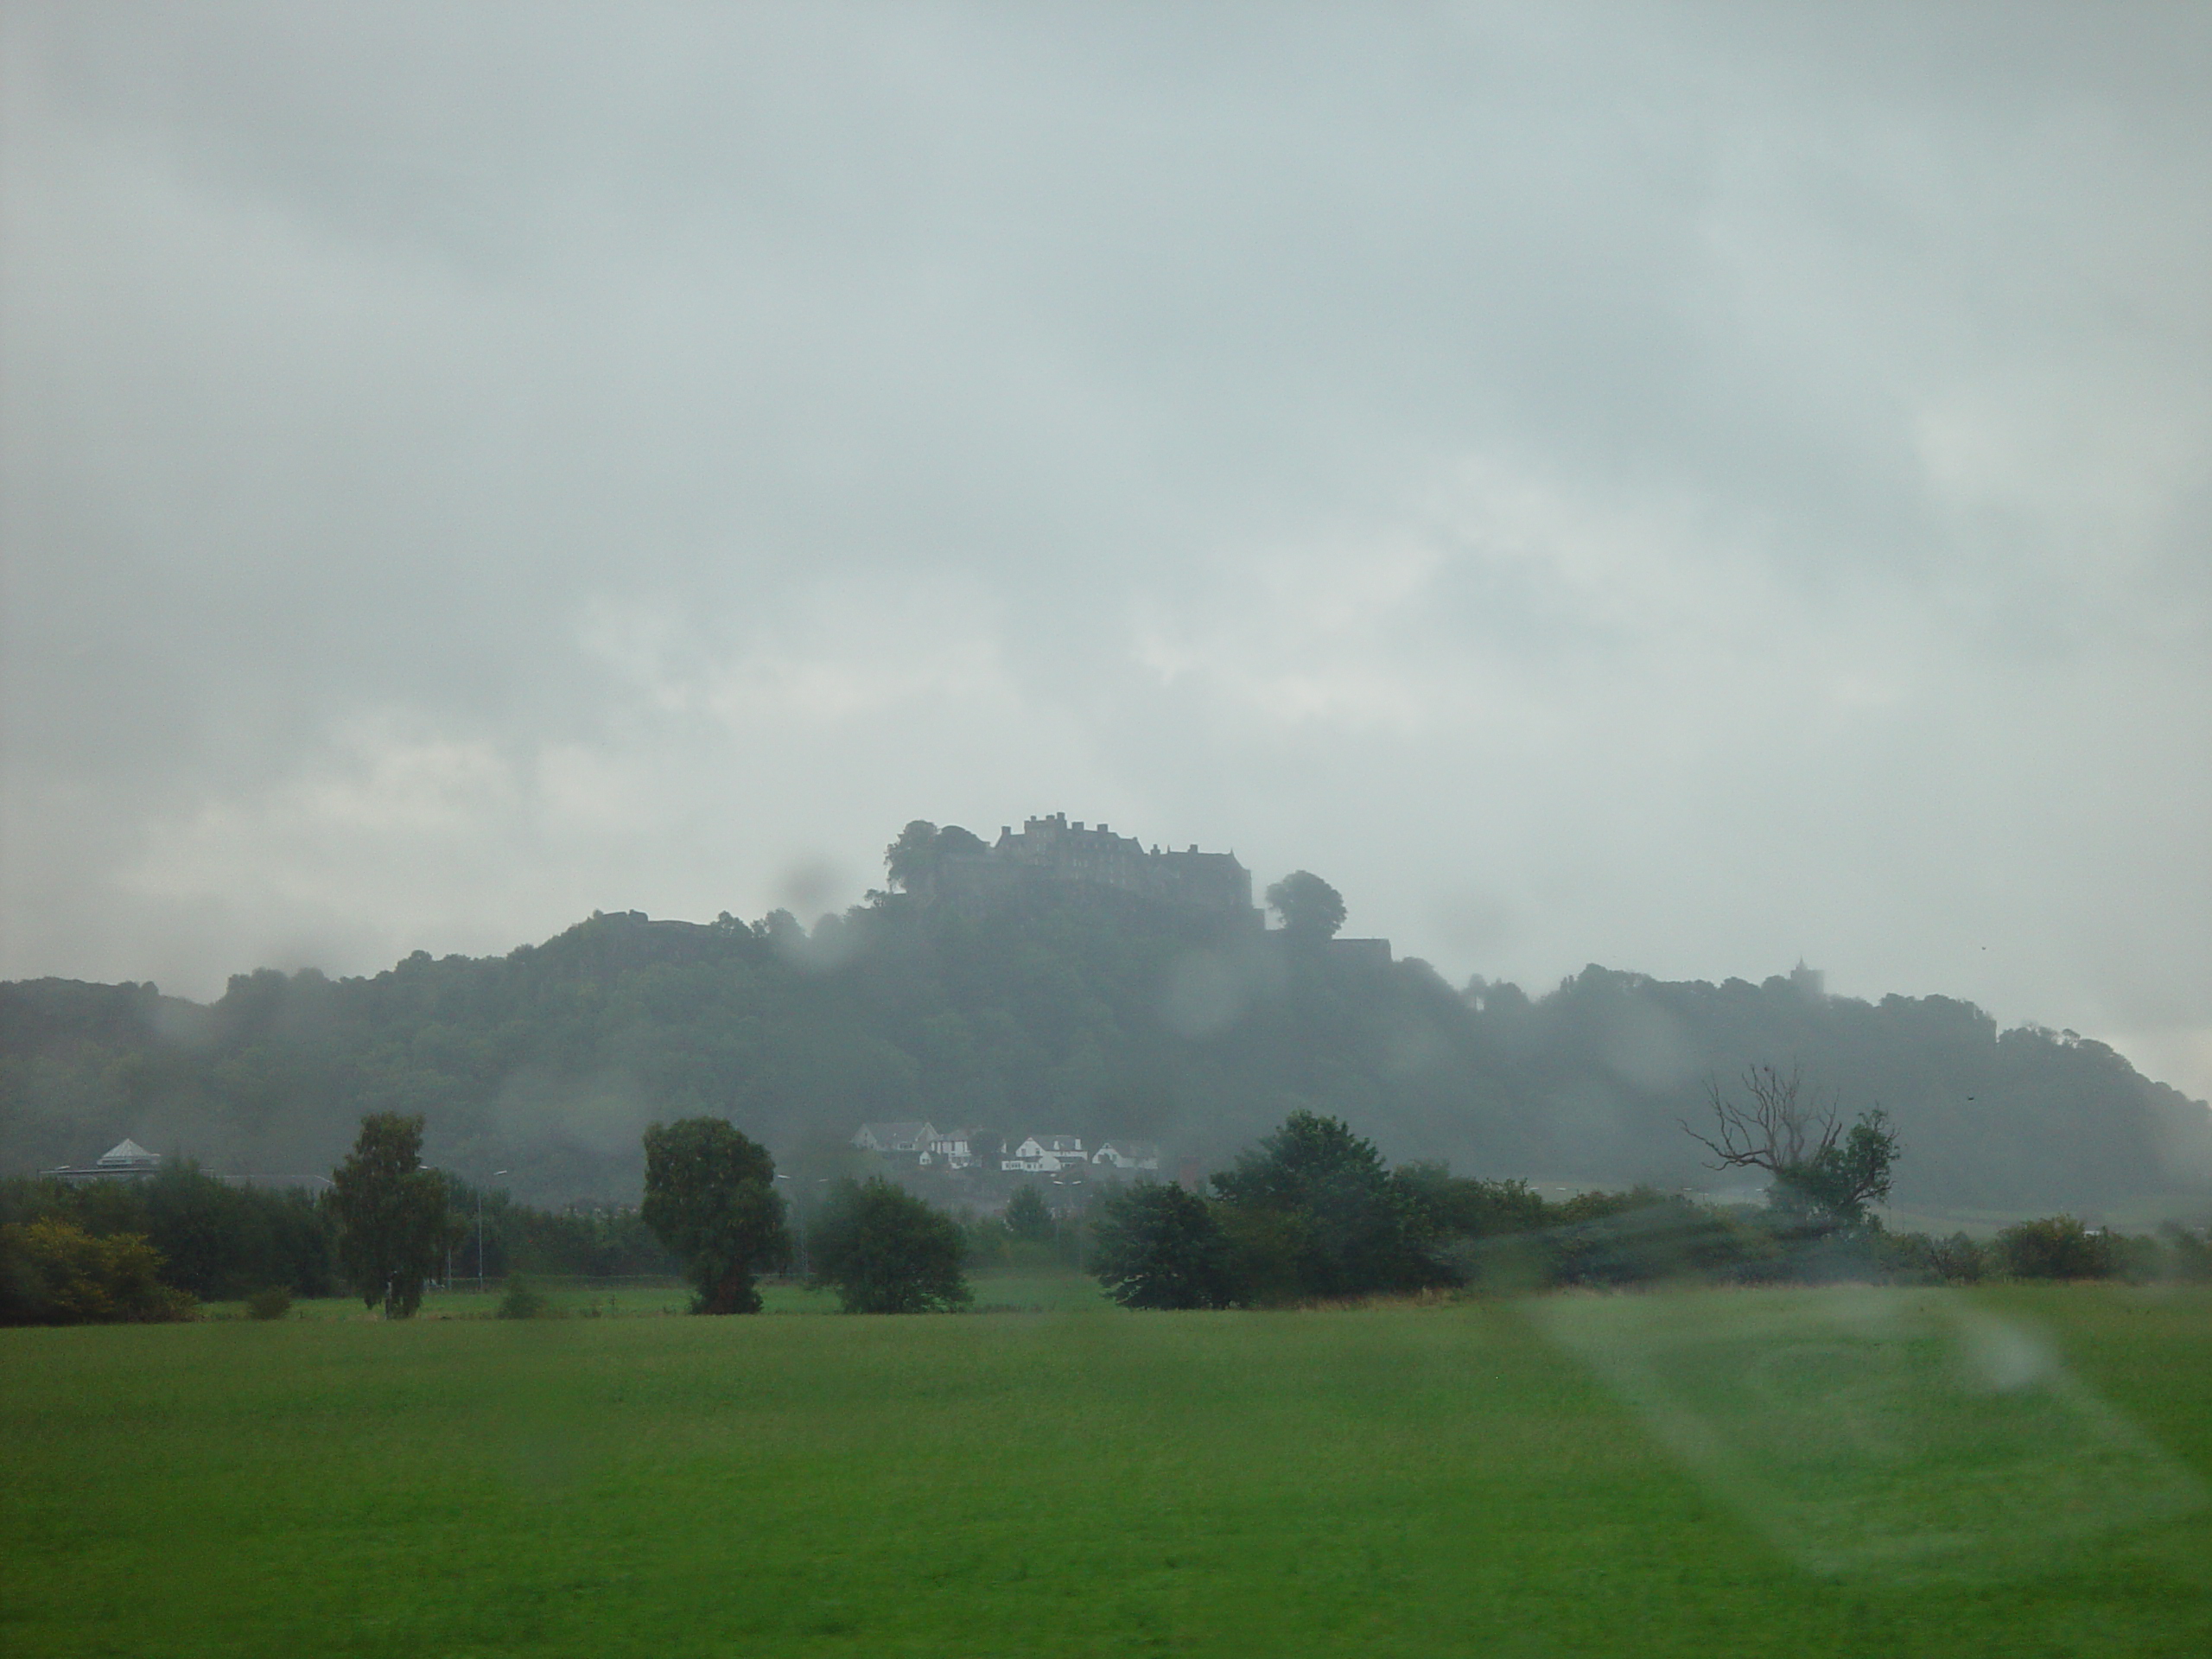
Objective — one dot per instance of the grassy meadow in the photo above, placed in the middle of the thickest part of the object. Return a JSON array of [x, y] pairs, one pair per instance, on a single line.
[[2017, 1472]]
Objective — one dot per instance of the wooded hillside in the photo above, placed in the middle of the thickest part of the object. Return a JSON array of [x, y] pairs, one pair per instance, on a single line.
[[1094, 1015]]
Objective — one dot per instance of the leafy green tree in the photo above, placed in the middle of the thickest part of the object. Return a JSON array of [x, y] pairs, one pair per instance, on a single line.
[[1838, 1182], [910, 859], [1348, 1229], [1028, 1216], [914, 859], [1445, 1205], [885, 1251], [709, 1200], [393, 1229], [953, 839], [1161, 1247], [220, 1240], [1310, 909]]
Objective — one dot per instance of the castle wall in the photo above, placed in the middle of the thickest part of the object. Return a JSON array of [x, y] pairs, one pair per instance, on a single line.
[[1052, 850]]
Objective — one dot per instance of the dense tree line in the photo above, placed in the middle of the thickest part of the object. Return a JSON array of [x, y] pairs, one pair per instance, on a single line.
[[1093, 1013], [130, 1250], [213, 1239], [1312, 1214]]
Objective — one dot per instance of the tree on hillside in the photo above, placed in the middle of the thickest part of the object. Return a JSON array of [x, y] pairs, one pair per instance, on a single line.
[[1310, 909], [953, 841], [709, 1200], [912, 860], [1028, 1216], [1162, 1247], [1314, 1211], [1821, 1174], [393, 1229], [885, 1251]]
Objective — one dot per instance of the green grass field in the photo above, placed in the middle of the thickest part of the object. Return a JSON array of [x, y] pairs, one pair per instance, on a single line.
[[1895, 1473]]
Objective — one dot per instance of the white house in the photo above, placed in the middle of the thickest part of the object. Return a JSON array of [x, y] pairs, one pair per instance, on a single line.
[[1127, 1154], [1042, 1154], [954, 1148], [894, 1137]]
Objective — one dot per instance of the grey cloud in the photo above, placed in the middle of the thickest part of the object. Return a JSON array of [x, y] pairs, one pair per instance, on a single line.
[[1719, 484]]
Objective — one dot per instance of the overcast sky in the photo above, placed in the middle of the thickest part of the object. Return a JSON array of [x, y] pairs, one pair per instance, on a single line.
[[1691, 489]]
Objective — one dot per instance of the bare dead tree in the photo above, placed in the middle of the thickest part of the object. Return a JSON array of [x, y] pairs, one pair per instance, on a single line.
[[1777, 1130], [1794, 1137]]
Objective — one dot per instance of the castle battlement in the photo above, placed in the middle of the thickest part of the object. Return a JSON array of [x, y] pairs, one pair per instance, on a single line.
[[1052, 850]]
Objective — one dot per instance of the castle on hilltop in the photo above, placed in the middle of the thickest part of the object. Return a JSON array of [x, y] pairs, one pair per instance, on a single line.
[[1052, 851]]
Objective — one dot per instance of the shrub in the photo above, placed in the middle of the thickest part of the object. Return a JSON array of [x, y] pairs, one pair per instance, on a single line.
[[2188, 1254], [1957, 1260], [522, 1301], [1643, 1236], [274, 1303], [2055, 1247], [52, 1272]]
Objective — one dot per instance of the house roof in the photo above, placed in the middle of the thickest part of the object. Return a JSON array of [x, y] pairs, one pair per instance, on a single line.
[[125, 1154]]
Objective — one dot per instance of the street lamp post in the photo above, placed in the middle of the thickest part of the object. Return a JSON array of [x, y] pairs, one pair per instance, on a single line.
[[480, 1233], [799, 1214]]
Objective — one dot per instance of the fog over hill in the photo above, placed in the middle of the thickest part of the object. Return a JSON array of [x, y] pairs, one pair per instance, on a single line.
[[1080, 1010], [1687, 486]]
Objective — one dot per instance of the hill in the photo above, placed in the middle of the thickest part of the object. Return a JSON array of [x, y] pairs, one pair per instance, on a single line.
[[1093, 1012]]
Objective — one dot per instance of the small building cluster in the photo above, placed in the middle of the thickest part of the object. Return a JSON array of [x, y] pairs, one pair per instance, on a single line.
[[924, 1145]]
